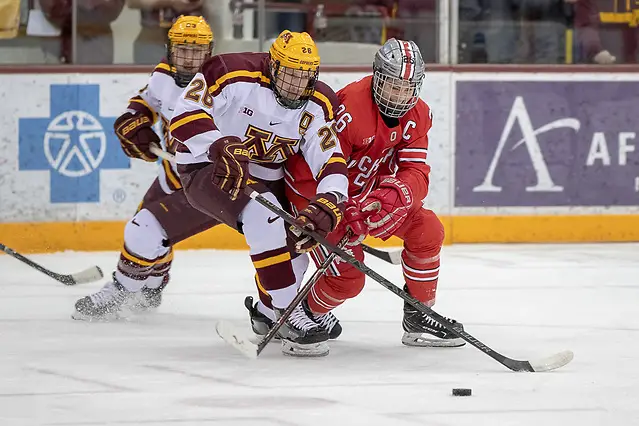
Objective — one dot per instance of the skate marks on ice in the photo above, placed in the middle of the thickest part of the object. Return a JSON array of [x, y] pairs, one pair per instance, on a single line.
[[176, 371]]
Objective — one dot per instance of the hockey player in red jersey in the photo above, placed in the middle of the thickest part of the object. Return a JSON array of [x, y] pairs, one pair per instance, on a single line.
[[383, 130]]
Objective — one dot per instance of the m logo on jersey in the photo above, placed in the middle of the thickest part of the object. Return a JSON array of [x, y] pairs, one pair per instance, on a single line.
[[266, 147], [74, 144]]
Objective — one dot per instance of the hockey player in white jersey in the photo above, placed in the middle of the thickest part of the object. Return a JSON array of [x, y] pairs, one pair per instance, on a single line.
[[240, 118], [164, 216]]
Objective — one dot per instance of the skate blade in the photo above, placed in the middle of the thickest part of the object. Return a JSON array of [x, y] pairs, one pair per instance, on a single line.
[[311, 350], [419, 340], [110, 317], [235, 338]]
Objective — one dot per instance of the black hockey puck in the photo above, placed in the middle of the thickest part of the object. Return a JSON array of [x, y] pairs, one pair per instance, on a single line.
[[462, 392]]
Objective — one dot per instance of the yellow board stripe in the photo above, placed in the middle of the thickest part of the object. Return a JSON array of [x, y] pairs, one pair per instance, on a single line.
[[188, 119], [234, 74], [272, 260], [47, 237]]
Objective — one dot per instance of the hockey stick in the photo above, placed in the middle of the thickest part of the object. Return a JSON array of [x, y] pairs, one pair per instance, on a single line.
[[546, 364], [394, 257], [230, 335], [91, 274]]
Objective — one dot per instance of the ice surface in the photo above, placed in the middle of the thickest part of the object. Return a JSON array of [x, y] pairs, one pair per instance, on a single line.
[[170, 367]]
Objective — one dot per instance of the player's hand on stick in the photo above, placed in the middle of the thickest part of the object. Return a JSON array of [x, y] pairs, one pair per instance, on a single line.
[[321, 215], [355, 221], [388, 206], [136, 136], [231, 160]]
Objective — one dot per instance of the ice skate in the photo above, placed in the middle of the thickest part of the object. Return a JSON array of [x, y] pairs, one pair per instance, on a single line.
[[150, 298], [327, 321], [110, 303], [301, 336], [422, 330], [260, 323]]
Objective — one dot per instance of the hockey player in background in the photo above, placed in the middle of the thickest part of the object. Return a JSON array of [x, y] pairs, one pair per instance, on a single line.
[[164, 217], [238, 121], [383, 130]]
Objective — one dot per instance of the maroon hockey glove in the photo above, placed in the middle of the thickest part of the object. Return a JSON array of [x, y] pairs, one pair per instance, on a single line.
[[321, 215], [230, 159], [136, 136], [388, 205]]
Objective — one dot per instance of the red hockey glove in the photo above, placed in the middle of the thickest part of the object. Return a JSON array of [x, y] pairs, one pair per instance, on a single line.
[[388, 205], [136, 135], [321, 215], [355, 220], [230, 159]]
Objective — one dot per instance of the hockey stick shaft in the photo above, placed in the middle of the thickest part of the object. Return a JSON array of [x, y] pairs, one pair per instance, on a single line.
[[512, 364], [92, 274], [301, 295], [393, 257]]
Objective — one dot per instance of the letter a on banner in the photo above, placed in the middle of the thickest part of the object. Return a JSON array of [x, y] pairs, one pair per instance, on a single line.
[[519, 114]]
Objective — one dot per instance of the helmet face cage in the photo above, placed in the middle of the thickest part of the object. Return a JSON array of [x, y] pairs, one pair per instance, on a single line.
[[293, 87], [398, 74], [187, 60]]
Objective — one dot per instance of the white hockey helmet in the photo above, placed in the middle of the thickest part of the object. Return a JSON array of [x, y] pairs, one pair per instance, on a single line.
[[398, 74]]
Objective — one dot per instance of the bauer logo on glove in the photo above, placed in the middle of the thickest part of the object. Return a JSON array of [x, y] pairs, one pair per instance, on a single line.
[[136, 136], [321, 215]]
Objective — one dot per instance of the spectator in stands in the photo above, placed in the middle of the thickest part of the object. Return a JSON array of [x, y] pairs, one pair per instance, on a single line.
[[9, 18], [157, 16], [587, 28], [414, 20], [94, 35], [472, 38], [542, 30]]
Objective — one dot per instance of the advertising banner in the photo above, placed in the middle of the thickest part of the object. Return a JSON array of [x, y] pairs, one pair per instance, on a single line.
[[546, 143]]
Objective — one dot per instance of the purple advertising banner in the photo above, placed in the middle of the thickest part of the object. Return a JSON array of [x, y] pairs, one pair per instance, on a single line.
[[559, 143]]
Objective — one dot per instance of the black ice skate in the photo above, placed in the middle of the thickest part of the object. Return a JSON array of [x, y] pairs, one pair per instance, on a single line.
[[105, 305], [422, 330], [260, 323], [301, 336], [327, 321]]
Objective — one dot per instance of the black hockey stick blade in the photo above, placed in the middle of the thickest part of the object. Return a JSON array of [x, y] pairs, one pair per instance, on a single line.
[[94, 273], [243, 344], [394, 257], [546, 364]]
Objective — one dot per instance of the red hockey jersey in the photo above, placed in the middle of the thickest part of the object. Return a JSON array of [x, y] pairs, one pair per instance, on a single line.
[[371, 148]]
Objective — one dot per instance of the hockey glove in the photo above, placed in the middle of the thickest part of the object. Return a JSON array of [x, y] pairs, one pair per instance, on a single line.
[[388, 206], [321, 215], [230, 159], [355, 220], [136, 136]]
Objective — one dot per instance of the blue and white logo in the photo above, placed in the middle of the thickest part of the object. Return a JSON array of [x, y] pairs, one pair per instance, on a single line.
[[74, 144]]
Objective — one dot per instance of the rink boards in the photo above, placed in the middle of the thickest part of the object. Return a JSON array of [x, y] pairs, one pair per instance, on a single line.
[[515, 157]]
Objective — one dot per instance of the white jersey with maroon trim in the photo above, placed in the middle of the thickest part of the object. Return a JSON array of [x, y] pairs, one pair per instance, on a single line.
[[232, 96], [157, 99]]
